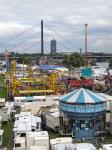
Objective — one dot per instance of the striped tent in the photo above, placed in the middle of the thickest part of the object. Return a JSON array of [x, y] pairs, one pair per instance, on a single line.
[[82, 96]]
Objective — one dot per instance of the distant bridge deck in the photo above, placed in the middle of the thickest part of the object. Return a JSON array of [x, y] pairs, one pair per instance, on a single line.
[[62, 56], [99, 56]]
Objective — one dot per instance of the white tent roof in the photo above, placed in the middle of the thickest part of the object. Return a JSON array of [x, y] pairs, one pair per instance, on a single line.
[[82, 96]]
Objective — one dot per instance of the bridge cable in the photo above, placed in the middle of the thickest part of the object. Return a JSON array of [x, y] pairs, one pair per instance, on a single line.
[[19, 34], [61, 36], [31, 37], [24, 50]]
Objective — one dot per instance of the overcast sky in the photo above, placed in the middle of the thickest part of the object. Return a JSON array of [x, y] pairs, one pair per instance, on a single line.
[[63, 20]]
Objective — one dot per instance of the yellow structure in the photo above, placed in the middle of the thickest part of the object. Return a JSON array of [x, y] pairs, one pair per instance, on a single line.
[[42, 84], [30, 74], [13, 77]]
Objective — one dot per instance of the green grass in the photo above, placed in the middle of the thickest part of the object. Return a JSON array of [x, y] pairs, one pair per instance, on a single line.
[[7, 127], [53, 135], [108, 139], [3, 91], [1, 79]]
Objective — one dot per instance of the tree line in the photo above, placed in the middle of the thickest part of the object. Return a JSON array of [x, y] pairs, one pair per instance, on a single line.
[[76, 60]]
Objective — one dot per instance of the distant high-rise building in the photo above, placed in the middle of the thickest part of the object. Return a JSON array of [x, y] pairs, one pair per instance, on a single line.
[[53, 47]]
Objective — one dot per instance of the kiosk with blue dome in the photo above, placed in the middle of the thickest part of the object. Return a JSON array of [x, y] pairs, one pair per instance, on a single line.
[[87, 111]]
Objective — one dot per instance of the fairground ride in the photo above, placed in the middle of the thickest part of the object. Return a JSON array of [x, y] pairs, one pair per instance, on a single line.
[[41, 84]]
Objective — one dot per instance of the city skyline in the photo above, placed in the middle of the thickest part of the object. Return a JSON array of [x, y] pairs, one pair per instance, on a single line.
[[63, 20]]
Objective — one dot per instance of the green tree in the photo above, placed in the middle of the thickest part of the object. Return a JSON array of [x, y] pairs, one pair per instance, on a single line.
[[20, 59], [66, 60], [75, 60], [92, 62]]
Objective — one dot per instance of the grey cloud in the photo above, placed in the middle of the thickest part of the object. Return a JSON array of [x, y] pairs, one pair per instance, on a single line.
[[67, 17]]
